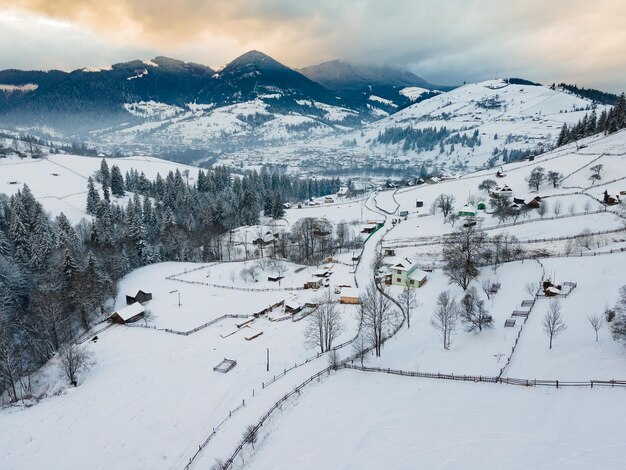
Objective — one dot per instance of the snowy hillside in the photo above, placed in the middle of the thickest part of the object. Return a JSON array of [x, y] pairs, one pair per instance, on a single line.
[[163, 404], [236, 124], [59, 182], [470, 127], [506, 116]]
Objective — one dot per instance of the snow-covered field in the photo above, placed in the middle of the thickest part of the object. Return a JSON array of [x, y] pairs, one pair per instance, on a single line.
[[152, 396], [358, 420], [59, 182]]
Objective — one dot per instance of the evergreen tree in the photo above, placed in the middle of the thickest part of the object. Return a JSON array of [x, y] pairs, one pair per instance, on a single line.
[[69, 266], [268, 203], [92, 197], [117, 182], [105, 175], [278, 211]]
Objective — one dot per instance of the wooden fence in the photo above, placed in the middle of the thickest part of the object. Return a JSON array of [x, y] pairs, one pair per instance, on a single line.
[[192, 331], [491, 379]]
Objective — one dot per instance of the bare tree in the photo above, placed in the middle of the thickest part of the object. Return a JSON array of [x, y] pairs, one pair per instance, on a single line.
[[462, 252], [446, 317], [74, 359], [377, 315], [445, 203], [324, 324], [10, 363], [452, 218], [556, 208], [554, 177], [553, 322], [542, 210], [408, 301], [596, 322], [473, 311], [218, 465], [501, 207], [572, 208], [587, 206], [342, 232], [279, 269], [359, 347], [536, 178], [488, 287], [532, 288], [250, 435], [585, 239]]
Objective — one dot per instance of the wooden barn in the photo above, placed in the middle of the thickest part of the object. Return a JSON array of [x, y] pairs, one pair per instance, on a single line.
[[141, 297], [128, 314], [349, 295]]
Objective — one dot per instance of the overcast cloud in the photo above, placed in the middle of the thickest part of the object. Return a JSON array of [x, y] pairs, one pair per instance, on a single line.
[[444, 41]]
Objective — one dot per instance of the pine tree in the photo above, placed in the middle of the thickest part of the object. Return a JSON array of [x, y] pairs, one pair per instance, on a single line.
[[92, 197], [278, 211], [67, 235], [268, 204], [563, 136], [4, 244], [69, 266], [105, 174], [117, 182]]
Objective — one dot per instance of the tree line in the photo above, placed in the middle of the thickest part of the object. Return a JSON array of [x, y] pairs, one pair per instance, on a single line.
[[56, 279], [608, 122]]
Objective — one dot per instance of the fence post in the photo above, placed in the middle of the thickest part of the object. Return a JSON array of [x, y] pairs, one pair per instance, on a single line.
[[557, 384]]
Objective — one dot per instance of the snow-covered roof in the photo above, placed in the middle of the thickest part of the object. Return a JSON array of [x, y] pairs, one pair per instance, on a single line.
[[130, 311], [293, 305], [402, 265], [418, 275], [468, 208], [349, 292]]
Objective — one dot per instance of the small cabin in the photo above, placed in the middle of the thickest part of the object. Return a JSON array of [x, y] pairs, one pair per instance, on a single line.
[[141, 297], [389, 252], [328, 200], [128, 314], [293, 307], [314, 283], [419, 203], [349, 295]]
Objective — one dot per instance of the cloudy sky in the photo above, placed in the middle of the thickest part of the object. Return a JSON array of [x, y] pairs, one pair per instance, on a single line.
[[444, 41]]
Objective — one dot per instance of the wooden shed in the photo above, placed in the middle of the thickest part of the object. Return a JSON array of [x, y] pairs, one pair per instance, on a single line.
[[141, 297], [128, 314], [349, 295]]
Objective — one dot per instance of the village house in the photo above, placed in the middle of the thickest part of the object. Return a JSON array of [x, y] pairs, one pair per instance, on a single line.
[[406, 273], [467, 211], [128, 314], [501, 191]]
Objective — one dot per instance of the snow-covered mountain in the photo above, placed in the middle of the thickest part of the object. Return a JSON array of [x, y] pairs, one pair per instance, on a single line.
[[256, 104], [471, 125], [133, 93], [380, 85]]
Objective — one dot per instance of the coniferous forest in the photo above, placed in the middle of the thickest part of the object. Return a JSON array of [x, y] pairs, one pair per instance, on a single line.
[[56, 279]]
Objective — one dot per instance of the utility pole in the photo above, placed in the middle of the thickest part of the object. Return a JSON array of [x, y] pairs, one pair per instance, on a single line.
[[179, 299], [268, 359]]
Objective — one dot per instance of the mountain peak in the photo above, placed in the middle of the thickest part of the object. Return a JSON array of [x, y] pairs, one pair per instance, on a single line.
[[342, 75]]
